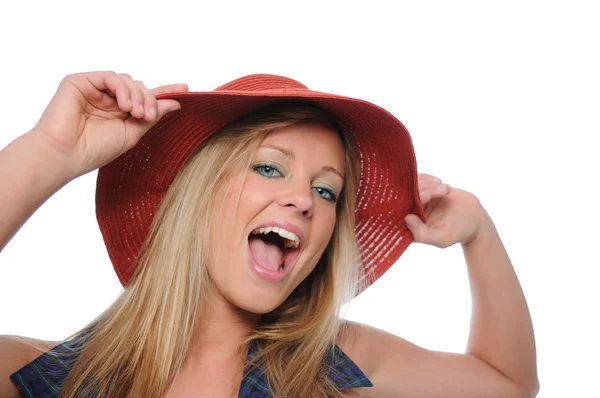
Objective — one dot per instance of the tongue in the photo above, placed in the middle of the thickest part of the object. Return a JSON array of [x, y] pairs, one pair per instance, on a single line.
[[267, 254]]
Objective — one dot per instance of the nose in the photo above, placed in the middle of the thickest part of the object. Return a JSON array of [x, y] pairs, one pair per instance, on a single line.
[[297, 199]]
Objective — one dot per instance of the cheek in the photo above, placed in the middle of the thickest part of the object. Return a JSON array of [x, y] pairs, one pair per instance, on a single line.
[[322, 230], [326, 228], [326, 224], [222, 224], [233, 214], [256, 190], [326, 231]]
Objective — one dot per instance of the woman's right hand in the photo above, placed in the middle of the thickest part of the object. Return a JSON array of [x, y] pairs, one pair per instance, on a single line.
[[95, 117]]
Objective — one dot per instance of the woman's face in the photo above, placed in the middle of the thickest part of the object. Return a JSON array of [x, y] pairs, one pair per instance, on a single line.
[[294, 182]]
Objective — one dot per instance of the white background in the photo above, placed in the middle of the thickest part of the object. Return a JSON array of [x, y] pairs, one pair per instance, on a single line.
[[501, 100]]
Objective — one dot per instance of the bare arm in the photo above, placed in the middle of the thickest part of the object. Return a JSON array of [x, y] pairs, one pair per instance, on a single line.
[[500, 361], [92, 119], [30, 172], [501, 328]]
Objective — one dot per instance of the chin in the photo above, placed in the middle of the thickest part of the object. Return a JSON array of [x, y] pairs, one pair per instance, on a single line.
[[256, 302], [257, 309]]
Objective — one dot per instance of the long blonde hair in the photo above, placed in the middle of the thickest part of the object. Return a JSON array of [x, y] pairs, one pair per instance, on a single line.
[[136, 347]]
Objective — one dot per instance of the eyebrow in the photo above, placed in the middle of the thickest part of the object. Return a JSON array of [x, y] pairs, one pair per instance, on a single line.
[[290, 154]]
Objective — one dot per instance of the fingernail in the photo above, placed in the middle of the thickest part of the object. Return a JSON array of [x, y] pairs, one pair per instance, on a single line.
[[141, 108], [152, 112]]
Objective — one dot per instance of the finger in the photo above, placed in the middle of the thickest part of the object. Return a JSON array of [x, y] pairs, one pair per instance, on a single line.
[[108, 81], [167, 105], [171, 88], [150, 105], [428, 185], [137, 97], [426, 176], [416, 227], [435, 192], [442, 189], [426, 180], [439, 191], [136, 128]]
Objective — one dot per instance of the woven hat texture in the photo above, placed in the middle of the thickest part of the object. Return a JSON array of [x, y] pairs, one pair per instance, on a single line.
[[130, 188]]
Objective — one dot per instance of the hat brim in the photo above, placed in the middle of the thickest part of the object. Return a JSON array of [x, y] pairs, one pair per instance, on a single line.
[[129, 191]]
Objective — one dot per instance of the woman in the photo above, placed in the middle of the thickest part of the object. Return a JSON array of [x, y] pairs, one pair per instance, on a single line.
[[316, 193]]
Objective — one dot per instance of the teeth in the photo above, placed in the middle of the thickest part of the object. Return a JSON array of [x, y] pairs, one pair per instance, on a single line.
[[291, 239]]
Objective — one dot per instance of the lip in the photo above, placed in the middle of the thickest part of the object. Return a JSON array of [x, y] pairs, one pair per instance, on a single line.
[[291, 256]]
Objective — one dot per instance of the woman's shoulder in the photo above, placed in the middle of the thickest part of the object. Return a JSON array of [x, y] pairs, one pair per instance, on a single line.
[[15, 353], [367, 345], [352, 343]]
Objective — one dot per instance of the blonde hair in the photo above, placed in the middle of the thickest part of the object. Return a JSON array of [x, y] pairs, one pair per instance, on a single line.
[[136, 347]]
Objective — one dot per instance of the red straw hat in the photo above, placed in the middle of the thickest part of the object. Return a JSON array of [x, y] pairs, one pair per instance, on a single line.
[[130, 188]]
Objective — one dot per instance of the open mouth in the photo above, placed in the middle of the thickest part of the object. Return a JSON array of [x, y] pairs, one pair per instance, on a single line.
[[274, 248]]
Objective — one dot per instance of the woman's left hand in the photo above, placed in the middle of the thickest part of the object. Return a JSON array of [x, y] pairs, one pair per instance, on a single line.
[[453, 215]]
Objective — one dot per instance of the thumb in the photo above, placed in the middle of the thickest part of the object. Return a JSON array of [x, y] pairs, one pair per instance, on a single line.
[[165, 106], [139, 127], [416, 226]]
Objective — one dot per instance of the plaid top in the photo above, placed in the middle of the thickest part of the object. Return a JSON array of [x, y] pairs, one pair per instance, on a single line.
[[43, 377]]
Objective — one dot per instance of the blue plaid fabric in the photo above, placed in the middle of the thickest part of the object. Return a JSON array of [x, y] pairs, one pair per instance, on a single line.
[[43, 377]]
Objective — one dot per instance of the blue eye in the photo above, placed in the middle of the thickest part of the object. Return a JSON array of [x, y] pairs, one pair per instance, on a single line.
[[266, 170], [325, 193], [270, 171]]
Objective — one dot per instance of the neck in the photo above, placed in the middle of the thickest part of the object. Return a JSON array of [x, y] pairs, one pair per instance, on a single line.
[[221, 329]]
